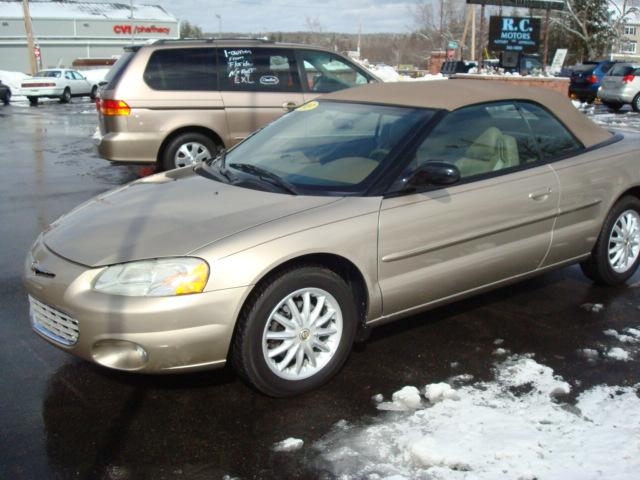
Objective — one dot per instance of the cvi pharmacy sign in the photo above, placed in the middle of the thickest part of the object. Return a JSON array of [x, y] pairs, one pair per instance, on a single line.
[[521, 34]]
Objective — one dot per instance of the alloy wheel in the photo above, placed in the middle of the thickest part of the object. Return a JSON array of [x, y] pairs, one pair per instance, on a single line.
[[302, 334], [624, 241]]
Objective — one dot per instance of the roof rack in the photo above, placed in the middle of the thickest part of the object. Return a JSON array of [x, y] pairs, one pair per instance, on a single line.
[[164, 41]]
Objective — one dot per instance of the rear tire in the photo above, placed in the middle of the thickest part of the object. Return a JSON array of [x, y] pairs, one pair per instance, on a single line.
[[188, 149], [614, 107], [33, 101], [601, 266], [7, 98], [635, 103], [66, 96], [94, 92], [252, 350]]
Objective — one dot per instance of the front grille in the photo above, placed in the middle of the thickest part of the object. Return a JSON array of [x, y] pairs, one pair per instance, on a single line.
[[53, 323]]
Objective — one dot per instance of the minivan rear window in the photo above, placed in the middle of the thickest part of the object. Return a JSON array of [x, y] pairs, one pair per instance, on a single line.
[[117, 69], [191, 69], [621, 70]]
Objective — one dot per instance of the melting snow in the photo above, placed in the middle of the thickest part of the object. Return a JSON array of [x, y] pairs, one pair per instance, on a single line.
[[408, 398], [618, 353], [288, 445], [592, 307], [513, 427]]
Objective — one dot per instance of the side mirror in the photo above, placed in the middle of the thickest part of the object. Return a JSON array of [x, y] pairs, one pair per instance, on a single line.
[[434, 173]]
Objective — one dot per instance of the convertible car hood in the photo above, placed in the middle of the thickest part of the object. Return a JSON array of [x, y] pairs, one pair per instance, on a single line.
[[165, 215]]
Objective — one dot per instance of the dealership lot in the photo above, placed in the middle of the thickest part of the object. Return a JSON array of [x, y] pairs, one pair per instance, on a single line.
[[63, 418]]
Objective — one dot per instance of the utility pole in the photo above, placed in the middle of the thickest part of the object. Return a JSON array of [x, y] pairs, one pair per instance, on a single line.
[[29, 29], [480, 56], [441, 24], [473, 33]]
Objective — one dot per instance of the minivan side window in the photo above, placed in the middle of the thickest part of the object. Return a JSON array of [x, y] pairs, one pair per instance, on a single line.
[[258, 69], [553, 139], [190, 69], [325, 72]]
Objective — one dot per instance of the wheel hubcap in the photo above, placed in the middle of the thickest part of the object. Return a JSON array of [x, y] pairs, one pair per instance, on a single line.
[[302, 334], [191, 153], [624, 241]]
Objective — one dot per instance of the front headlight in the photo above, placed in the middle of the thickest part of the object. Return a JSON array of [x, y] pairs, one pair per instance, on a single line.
[[154, 278]]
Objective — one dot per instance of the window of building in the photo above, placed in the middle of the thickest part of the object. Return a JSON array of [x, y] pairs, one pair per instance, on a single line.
[[630, 30], [628, 47]]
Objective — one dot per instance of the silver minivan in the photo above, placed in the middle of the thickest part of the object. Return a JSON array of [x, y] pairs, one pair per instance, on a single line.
[[621, 86]]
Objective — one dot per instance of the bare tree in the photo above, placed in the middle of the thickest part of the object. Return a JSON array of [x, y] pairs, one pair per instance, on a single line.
[[440, 21]]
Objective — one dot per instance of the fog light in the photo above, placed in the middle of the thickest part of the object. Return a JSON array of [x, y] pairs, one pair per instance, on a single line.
[[119, 354]]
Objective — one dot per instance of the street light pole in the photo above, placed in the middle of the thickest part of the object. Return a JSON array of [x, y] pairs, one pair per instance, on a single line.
[[29, 30], [219, 25]]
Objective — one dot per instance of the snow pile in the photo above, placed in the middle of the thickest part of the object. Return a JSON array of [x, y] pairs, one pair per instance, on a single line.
[[13, 79], [513, 427], [618, 353], [96, 75], [288, 445], [406, 399], [386, 73], [437, 392], [592, 307]]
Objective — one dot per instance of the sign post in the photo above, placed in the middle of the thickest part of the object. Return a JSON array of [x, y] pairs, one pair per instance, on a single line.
[[519, 34], [558, 60]]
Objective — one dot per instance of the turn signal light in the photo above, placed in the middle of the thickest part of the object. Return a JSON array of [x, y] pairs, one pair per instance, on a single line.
[[628, 78], [114, 108]]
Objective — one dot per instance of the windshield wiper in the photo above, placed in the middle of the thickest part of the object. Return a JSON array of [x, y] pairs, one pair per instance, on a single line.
[[265, 174], [222, 170]]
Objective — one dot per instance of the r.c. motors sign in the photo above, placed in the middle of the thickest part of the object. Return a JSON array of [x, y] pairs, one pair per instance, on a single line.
[[521, 34]]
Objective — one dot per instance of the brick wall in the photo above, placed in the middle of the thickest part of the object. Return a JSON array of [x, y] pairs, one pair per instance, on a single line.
[[560, 85]]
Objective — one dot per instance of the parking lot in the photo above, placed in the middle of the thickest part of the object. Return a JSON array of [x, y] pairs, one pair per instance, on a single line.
[[61, 417]]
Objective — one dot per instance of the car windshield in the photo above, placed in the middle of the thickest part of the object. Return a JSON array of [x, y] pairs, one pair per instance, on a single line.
[[326, 148], [585, 67], [48, 73]]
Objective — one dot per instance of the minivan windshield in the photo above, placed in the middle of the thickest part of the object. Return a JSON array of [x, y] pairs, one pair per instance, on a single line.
[[325, 148]]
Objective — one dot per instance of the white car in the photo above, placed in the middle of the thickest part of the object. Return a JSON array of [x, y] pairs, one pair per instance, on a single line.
[[59, 83]]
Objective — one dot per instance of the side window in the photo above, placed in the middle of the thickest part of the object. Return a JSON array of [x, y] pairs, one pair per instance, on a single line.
[[258, 70], [325, 72], [479, 139], [77, 76], [191, 69], [68, 75], [552, 137]]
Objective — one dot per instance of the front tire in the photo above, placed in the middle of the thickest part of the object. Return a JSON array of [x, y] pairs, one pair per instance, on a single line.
[[7, 98], [66, 96], [94, 92], [635, 103], [33, 101], [614, 107], [188, 148], [295, 332], [616, 255]]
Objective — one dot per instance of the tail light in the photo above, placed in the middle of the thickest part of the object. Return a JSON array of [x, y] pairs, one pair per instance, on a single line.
[[628, 78], [39, 84], [592, 79], [113, 108]]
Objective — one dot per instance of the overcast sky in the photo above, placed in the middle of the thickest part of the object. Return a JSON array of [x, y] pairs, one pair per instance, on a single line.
[[289, 15]]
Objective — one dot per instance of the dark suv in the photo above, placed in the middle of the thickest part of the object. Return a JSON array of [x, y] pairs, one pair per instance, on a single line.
[[587, 77]]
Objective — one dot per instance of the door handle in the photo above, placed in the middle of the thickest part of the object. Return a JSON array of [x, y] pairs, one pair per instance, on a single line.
[[540, 195], [288, 106]]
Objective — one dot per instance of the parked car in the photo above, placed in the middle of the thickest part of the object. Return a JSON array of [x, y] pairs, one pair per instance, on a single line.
[[174, 103], [59, 83], [5, 93], [520, 63], [359, 208], [586, 79], [621, 86]]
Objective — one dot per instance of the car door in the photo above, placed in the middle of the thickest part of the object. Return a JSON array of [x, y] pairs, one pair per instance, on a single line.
[[493, 225], [324, 72], [258, 85], [70, 82], [586, 179], [83, 86]]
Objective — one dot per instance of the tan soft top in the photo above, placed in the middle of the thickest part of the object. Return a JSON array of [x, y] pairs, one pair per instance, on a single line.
[[453, 94]]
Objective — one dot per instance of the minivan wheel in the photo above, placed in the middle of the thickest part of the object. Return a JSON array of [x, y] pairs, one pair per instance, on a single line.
[[295, 332], [66, 96], [94, 92], [616, 255], [612, 106], [188, 149], [635, 103], [33, 101]]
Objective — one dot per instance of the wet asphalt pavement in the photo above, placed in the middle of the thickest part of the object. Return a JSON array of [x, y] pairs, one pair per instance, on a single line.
[[64, 418]]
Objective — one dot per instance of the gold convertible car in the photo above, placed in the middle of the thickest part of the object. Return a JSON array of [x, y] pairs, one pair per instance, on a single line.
[[368, 205]]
